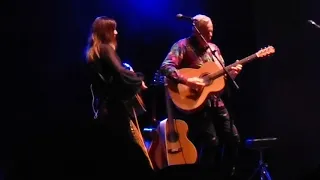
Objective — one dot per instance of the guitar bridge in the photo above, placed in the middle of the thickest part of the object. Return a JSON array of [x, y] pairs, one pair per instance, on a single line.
[[175, 150]]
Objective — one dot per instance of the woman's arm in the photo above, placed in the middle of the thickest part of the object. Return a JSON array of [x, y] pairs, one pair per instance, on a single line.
[[126, 81]]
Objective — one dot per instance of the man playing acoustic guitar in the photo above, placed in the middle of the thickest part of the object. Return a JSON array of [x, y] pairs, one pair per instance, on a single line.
[[210, 126]]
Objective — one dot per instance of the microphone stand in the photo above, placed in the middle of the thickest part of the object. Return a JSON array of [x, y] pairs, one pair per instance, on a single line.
[[234, 83], [212, 52]]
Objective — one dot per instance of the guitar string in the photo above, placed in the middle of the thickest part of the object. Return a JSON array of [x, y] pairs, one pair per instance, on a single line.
[[183, 155]]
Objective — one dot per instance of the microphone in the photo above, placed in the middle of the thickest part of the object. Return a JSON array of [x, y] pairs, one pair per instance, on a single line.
[[313, 23], [183, 17]]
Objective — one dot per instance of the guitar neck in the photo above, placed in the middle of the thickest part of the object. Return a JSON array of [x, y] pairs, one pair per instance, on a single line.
[[242, 61], [170, 120]]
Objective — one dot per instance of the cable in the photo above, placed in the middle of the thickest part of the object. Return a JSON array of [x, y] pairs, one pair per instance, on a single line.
[[95, 112]]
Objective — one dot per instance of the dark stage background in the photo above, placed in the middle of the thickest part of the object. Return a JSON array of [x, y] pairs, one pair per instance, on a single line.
[[48, 100]]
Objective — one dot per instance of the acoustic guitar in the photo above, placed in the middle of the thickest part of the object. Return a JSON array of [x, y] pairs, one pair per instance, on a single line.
[[189, 100], [170, 145]]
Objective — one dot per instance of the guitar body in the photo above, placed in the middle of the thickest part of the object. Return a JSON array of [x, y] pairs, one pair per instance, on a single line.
[[164, 152], [157, 149], [189, 100], [182, 150]]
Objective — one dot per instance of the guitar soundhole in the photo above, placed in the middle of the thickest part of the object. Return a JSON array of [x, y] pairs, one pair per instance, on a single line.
[[207, 81], [173, 137]]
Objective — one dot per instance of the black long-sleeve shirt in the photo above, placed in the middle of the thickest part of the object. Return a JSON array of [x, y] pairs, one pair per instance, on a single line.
[[110, 79], [112, 85]]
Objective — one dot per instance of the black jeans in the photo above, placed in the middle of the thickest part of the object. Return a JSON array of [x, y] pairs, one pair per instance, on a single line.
[[215, 137]]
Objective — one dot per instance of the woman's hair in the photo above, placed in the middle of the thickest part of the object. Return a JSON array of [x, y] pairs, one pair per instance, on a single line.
[[102, 32]]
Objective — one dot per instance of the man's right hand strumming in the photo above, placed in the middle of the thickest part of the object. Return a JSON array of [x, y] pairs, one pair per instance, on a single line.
[[195, 83]]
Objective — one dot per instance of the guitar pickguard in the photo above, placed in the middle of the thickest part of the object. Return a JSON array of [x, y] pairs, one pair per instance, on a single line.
[[188, 93], [207, 81]]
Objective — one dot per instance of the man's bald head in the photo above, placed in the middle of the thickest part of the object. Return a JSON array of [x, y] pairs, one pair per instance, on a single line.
[[205, 26], [202, 19]]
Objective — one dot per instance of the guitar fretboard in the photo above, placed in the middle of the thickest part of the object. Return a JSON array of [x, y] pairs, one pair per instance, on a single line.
[[242, 61]]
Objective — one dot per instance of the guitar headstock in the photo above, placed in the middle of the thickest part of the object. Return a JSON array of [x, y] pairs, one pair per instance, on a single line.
[[266, 51]]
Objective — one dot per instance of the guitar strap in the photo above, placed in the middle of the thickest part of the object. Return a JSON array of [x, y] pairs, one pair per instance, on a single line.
[[191, 51]]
